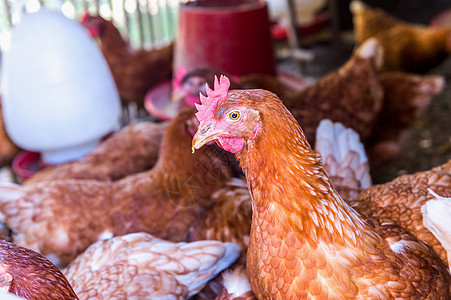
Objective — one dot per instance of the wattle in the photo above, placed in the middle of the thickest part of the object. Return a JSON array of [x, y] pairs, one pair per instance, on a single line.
[[231, 144]]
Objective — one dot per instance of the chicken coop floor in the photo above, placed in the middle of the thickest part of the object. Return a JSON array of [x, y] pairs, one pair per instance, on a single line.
[[429, 143]]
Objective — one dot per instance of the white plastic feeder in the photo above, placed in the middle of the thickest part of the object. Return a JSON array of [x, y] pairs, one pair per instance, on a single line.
[[58, 94]]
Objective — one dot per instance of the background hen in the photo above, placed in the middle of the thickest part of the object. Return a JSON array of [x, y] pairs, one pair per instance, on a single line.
[[134, 71], [407, 47], [132, 149]]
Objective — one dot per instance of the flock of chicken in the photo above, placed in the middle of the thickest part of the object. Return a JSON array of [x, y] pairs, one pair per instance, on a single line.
[[159, 211]]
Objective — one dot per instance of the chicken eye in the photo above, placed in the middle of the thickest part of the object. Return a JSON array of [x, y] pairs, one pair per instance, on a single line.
[[234, 115]]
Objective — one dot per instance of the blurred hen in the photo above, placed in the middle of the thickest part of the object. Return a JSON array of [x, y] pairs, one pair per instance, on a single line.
[[134, 71]]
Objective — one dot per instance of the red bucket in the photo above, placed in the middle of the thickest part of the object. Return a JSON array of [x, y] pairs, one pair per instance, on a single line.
[[232, 36]]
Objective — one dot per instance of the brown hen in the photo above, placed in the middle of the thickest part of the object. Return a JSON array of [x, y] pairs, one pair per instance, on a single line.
[[408, 47], [134, 71], [351, 95], [132, 149], [62, 218], [306, 242], [25, 273]]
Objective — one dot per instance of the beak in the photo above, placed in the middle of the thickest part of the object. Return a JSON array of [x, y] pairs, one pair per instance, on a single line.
[[204, 135]]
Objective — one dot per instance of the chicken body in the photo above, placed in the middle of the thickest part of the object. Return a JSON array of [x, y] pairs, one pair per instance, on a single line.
[[62, 218], [131, 150], [407, 97], [27, 274], [351, 95], [306, 242], [407, 47], [401, 199], [134, 71], [140, 266]]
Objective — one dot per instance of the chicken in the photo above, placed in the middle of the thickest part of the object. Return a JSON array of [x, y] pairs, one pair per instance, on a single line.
[[306, 242], [236, 286], [26, 273], [140, 266], [132, 149], [401, 199], [343, 158], [7, 148], [61, 218], [408, 47], [351, 95], [436, 214], [407, 97], [134, 71]]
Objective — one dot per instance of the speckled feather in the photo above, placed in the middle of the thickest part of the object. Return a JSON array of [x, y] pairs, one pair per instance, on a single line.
[[305, 240], [33, 276], [401, 199], [140, 266]]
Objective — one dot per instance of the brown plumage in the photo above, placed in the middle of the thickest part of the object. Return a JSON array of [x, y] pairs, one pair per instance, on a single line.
[[351, 95], [401, 199], [408, 47], [134, 71], [62, 218], [140, 266], [407, 97], [132, 149], [305, 240], [26, 273]]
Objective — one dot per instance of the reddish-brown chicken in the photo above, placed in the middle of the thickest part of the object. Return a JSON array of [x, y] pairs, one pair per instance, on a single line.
[[131, 150], [306, 242], [351, 95], [134, 71], [407, 97], [25, 273], [140, 266], [408, 47], [62, 218]]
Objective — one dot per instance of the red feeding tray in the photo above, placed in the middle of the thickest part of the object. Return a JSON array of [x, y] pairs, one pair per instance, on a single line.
[[158, 101], [25, 164]]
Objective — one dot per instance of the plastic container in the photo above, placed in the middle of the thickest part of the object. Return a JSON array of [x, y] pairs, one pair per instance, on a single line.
[[233, 36]]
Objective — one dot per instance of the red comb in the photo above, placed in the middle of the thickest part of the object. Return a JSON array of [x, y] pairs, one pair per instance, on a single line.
[[214, 98]]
